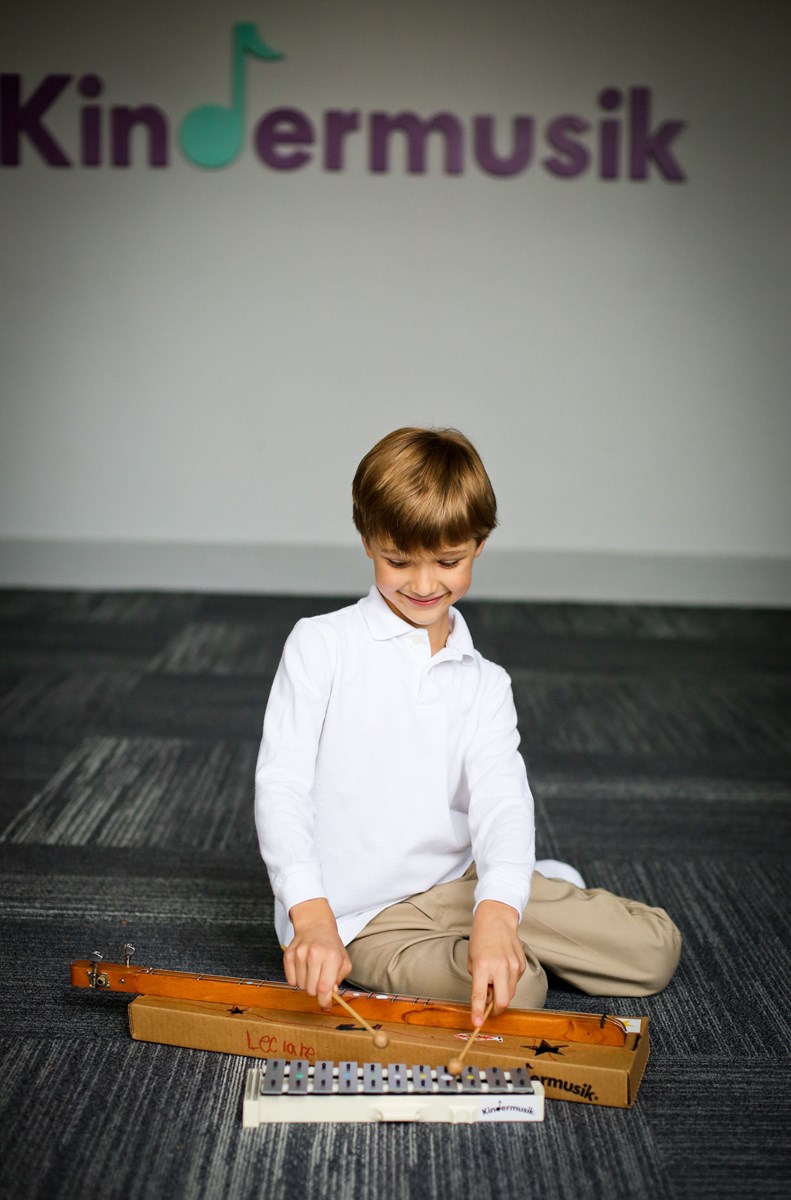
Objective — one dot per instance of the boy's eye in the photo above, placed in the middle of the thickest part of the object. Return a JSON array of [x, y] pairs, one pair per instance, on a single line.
[[447, 563]]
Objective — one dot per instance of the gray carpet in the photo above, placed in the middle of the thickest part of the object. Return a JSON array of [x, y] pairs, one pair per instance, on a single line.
[[658, 743]]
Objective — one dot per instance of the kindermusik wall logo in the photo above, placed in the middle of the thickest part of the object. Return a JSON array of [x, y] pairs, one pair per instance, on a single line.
[[621, 141]]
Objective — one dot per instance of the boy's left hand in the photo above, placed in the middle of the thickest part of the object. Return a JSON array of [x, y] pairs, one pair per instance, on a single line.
[[495, 959]]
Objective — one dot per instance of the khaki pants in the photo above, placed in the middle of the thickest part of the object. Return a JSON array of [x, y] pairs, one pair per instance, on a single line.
[[601, 943]]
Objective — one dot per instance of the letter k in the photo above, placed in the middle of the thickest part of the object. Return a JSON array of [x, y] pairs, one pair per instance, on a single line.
[[20, 119], [647, 144]]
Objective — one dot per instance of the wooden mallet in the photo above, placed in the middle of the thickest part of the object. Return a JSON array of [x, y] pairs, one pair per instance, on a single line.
[[455, 1065], [381, 1039]]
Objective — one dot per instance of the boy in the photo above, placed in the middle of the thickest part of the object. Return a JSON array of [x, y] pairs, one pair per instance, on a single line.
[[392, 804]]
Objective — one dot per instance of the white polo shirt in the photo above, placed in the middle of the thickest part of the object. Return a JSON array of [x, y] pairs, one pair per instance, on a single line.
[[384, 770]]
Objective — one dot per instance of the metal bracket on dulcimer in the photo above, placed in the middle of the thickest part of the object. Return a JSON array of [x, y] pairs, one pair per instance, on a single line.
[[126, 976], [297, 1091]]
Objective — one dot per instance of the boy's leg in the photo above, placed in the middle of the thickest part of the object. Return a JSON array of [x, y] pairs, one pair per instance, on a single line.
[[604, 944], [419, 948]]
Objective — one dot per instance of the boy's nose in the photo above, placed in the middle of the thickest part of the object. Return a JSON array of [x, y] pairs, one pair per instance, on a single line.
[[425, 584]]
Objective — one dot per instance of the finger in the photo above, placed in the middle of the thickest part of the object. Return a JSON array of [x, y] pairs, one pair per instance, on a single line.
[[480, 991], [501, 993], [343, 970], [313, 969], [324, 988], [289, 969], [294, 965], [506, 982]]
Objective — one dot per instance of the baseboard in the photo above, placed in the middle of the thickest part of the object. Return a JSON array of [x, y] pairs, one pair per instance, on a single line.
[[345, 571]]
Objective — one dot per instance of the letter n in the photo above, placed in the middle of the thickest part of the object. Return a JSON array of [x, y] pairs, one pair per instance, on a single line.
[[123, 122]]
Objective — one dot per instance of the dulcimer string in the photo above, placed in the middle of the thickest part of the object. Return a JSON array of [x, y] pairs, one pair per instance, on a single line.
[[598, 1029]]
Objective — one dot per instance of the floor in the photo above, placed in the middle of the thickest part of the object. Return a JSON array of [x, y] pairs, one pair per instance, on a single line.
[[658, 744]]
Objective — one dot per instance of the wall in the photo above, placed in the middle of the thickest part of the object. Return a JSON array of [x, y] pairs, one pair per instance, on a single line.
[[193, 360]]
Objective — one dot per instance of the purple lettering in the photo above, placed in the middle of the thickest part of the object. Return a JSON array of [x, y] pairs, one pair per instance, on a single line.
[[24, 119], [284, 127], [91, 86], [124, 120], [337, 124], [576, 157], [610, 136], [286, 139], [521, 152], [416, 130], [652, 145]]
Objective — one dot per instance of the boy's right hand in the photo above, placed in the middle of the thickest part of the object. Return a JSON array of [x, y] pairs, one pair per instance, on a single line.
[[315, 959]]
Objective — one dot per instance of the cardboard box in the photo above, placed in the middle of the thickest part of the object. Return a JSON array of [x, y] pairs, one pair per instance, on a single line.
[[575, 1071]]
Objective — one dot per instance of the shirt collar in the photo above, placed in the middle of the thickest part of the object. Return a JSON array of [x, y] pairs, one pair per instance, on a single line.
[[383, 623]]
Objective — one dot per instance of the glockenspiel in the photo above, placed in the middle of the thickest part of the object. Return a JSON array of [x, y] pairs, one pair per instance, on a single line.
[[296, 1090]]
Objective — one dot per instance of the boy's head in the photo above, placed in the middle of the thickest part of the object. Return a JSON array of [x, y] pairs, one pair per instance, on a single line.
[[421, 489]]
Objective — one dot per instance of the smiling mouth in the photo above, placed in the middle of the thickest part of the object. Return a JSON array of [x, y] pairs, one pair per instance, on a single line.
[[423, 603]]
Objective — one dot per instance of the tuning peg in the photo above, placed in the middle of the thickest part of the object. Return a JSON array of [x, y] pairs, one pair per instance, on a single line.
[[94, 978], [127, 951]]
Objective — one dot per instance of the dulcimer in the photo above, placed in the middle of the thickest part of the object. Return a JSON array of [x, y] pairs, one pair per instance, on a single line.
[[95, 973]]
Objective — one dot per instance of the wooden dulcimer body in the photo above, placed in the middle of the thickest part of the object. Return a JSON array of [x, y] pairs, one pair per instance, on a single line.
[[374, 1006]]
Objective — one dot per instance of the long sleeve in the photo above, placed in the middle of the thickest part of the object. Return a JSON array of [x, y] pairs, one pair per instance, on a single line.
[[284, 808], [501, 810]]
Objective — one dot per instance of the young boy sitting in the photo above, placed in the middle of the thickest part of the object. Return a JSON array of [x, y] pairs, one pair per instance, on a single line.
[[392, 804]]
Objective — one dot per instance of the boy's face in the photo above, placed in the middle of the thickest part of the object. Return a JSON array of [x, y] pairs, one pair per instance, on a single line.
[[421, 587]]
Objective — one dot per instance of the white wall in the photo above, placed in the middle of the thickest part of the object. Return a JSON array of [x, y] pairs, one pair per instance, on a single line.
[[199, 358]]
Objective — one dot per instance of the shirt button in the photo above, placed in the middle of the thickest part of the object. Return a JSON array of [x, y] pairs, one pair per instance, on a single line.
[[416, 639]]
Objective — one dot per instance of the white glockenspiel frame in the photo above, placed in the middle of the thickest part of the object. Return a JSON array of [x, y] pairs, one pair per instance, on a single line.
[[282, 1090]]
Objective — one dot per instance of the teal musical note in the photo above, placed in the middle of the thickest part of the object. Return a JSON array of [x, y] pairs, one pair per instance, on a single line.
[[211, 135]]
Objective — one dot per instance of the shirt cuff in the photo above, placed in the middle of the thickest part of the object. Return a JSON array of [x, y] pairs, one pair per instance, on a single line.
[[507, 887], [297, 884]]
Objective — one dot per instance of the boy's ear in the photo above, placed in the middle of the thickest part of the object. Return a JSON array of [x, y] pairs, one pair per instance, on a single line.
[[367, 548], [479, 548]]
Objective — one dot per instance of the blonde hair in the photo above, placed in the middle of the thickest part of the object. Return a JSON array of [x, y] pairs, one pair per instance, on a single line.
[[422, 489]]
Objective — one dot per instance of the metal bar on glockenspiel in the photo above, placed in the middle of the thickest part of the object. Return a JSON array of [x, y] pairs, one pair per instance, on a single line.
[[323, 1077], [373, 1082], [471, 1080], [299, 1077], [521, 1081], [275, 1069], [347, 1078], [422, 1079], [397, 1078]]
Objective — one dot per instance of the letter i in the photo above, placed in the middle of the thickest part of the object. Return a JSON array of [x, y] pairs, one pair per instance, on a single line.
[[91, 86], [610, 136]]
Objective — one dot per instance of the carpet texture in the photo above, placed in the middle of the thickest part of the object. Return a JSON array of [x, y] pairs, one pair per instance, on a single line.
[[658, 744]]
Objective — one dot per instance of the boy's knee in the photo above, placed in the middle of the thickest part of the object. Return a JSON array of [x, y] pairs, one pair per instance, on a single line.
[[657, 954], [531, 990]]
